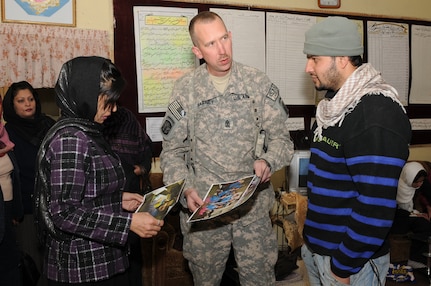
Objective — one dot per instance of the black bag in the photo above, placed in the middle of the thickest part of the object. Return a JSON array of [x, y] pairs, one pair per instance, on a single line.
[[29, 273], [286, 263]]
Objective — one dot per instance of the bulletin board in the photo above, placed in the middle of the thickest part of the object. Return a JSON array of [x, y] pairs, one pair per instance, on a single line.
[[417, 36]]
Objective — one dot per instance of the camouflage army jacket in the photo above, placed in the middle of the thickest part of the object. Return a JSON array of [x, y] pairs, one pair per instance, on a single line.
[[210, 137]]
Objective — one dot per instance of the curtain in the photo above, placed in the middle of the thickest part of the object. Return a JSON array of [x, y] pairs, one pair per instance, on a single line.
[[35, 53]]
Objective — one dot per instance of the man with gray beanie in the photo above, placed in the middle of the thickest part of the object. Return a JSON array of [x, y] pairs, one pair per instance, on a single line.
[[360, 144]]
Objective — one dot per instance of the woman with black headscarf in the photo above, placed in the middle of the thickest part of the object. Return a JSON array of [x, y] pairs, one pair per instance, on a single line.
[[10, 210], [26, 126], [80, 203]]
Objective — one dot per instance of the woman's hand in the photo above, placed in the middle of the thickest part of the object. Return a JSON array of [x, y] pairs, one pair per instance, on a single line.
[[145, 225], [423, 215], [131, 201]]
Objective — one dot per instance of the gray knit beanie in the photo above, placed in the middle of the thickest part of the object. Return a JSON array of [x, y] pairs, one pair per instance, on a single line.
[[334, 36]]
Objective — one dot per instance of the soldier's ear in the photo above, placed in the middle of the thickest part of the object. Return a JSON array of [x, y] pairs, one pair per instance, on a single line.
[[197, 52]]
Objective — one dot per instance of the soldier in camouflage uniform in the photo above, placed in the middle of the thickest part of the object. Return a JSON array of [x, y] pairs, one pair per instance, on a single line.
[[210, 128]]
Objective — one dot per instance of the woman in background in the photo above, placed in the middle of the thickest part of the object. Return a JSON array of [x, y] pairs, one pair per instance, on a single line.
[[26, 126], [127, 138], [423, 199], [10, 210], [407, 218]]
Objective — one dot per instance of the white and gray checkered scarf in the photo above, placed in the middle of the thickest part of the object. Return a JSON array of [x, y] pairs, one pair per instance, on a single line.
[[366, 80]]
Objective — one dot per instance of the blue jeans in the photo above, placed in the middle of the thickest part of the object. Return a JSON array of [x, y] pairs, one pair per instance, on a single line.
[[319, 270]]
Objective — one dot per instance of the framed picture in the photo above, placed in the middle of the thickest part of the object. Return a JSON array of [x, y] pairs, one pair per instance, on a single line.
[[49, 12]]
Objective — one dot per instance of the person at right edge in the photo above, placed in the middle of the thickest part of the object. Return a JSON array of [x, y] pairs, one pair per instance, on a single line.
[[215, 114], [360, 144]]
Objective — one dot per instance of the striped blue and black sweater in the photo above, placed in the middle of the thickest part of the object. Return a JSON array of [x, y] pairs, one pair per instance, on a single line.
[[352, 184]]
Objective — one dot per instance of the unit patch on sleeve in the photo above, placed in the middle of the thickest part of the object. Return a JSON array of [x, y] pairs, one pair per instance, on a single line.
[[273, 92], [167, 125]]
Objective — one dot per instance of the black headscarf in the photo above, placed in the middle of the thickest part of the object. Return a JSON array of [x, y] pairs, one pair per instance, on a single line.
[[78, 86], [32, 130], [77, 92], [126, 136]]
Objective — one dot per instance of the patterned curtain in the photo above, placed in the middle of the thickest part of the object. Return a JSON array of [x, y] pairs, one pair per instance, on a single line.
[[35, 53]]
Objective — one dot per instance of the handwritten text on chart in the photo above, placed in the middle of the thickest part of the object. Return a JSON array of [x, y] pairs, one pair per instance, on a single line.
[[163, 54]]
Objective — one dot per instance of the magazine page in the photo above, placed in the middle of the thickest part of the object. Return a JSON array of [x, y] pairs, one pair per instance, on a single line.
[[160, 201], [224, 197]]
